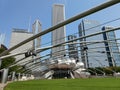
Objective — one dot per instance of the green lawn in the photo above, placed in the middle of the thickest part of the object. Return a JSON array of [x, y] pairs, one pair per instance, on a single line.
[[67, 84]]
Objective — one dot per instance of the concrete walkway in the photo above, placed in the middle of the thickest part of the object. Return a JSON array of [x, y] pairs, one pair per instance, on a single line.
[[2, 86]]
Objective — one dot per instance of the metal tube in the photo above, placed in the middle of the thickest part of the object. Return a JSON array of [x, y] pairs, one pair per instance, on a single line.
[[52, 47], [79, 16], [5, 75], [27, 62], [65, 43]]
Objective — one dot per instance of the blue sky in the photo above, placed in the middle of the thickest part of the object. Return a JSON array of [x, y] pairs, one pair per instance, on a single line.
[[16, 14]]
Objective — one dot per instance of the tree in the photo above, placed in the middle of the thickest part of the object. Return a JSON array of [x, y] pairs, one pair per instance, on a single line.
[[6, 62]]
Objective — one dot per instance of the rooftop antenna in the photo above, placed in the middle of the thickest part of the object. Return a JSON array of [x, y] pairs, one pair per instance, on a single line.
[[29, 24]]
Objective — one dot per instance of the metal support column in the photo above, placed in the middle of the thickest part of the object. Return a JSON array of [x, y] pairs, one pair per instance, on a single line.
[[19, 77], [5, 75], [13, 76]]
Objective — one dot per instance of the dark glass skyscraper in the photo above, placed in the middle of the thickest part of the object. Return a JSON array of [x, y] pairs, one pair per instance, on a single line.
[[111, 46], [91, 52]]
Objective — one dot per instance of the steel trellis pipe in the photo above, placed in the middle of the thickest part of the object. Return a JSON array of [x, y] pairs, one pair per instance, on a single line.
[[79, 16]]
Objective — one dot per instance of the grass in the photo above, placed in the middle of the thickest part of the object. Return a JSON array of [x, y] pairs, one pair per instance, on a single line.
[[67, 84]]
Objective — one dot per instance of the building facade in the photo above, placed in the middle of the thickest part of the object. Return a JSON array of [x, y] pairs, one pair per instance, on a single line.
[[73, 48], [2, 38], [58, 35], [91, 53], [17, 36], [37, 28], [111, 46]]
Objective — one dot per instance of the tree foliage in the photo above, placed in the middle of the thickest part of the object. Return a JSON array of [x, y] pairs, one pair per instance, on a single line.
[[6, 62]]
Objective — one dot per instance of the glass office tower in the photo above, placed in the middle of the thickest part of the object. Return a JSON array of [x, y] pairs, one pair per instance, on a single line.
[[112, 49], [92, 53]]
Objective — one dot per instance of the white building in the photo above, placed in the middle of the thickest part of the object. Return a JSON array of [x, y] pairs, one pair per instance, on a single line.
[[58, 35], [17, 36]]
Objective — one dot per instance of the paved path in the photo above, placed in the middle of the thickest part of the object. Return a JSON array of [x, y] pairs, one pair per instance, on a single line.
[[2, 86]]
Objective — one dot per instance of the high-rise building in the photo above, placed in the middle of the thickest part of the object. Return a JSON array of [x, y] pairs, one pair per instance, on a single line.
[[111, 46], [36, 28], [2, 38], [58, 35], [17, 36], [72, 48], [92, 53]]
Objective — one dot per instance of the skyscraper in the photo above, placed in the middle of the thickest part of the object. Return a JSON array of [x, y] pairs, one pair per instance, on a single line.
[[17, 36], [111, 46], [2, 38], [91, 54], [72, 48], [36, 28], [58, 35]]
